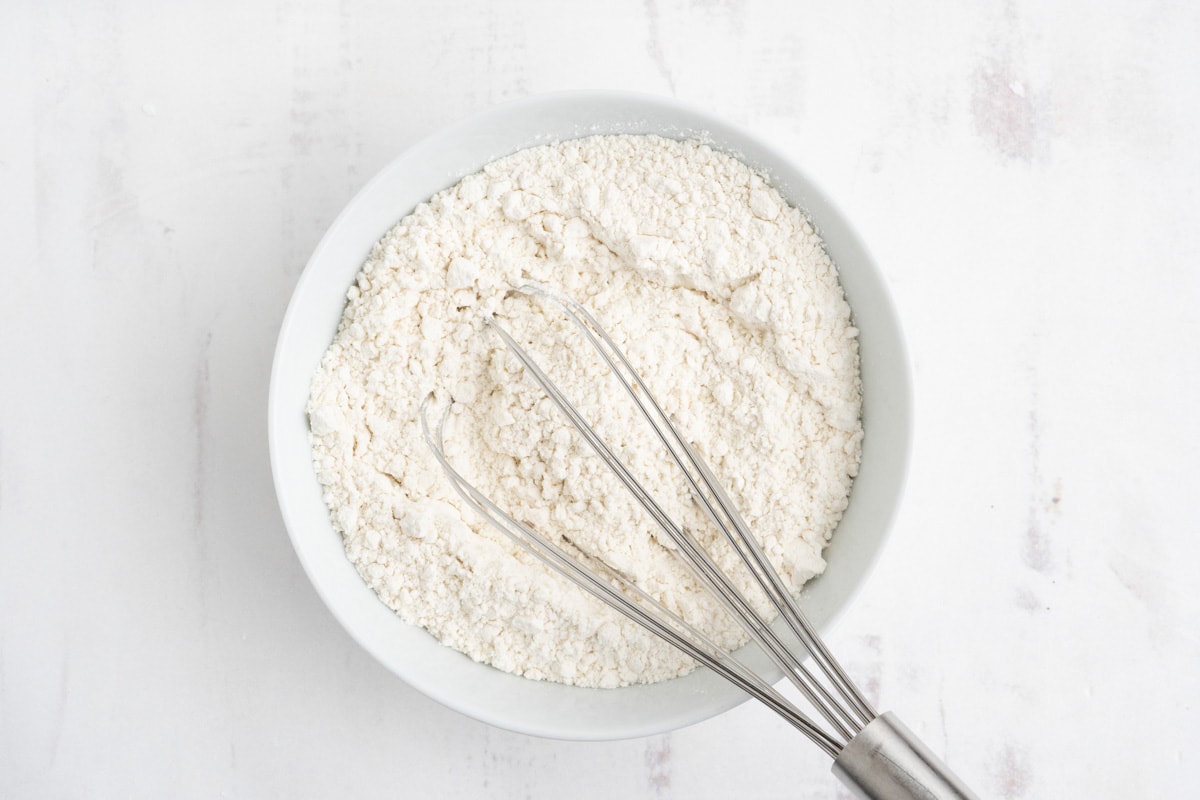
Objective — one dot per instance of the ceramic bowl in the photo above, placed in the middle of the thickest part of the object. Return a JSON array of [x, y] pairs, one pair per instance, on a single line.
[[495, 697]]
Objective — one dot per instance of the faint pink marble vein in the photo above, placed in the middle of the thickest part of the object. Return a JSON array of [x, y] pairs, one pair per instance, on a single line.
[[658, 765], [871, 672], [1002, 106], [1003, 112], [1014, 773]]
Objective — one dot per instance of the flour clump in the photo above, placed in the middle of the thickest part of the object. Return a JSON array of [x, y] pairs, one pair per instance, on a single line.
[[727, 304]]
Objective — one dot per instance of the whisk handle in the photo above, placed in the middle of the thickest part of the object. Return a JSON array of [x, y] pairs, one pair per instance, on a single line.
[[886, 761]]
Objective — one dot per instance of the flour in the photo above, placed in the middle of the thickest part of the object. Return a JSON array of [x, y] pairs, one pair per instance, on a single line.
[[725, 301]]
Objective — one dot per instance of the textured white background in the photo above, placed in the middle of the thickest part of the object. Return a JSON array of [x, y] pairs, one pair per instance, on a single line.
[[1026, 174]]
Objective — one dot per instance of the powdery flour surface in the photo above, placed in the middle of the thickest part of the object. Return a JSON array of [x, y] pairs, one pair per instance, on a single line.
[[725, 301]]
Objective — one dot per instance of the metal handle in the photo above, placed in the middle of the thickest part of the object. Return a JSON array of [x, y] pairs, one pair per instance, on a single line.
[[886, 761]]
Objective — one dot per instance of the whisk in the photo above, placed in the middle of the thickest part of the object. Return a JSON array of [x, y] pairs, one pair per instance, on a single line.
[[873, 754]]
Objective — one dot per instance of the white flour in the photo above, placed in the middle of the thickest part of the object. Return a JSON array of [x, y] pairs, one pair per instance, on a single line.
[[724, 300]]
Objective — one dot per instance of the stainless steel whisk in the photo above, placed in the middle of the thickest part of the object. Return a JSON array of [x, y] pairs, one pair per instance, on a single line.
[[874, 755]]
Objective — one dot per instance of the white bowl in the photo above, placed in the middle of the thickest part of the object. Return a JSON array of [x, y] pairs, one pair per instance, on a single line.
[[504, 700]]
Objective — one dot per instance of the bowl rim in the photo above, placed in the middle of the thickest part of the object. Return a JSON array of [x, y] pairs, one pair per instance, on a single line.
[[717, 133]]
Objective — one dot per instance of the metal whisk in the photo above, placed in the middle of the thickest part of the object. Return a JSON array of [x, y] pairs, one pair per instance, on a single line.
[[875, 755]]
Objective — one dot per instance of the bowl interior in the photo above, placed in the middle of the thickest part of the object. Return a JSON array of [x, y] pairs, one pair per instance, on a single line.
[[453, 679]]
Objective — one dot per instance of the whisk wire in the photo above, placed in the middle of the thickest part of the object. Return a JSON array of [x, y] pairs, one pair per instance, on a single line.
[[786, 604], [694, 555], [678, 632], [716, 503]]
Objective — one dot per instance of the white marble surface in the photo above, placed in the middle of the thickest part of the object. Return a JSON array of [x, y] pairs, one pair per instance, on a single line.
[[1025, 172]]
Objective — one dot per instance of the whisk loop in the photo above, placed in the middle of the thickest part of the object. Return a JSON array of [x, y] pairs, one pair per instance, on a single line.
[[874, 755]]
